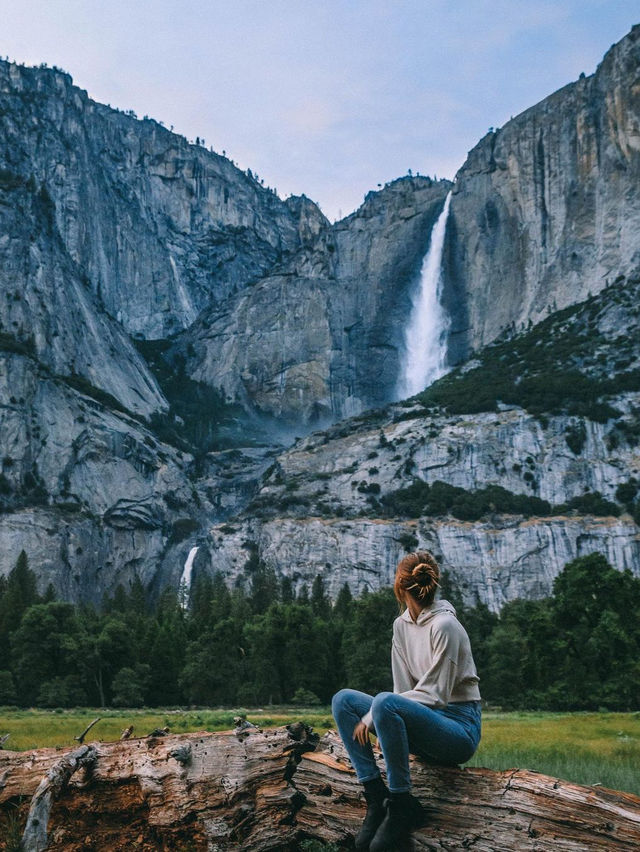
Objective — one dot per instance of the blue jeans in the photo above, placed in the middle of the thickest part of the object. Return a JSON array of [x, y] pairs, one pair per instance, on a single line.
[[447, 735]]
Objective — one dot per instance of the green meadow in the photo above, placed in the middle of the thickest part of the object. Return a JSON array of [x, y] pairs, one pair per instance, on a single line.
[[587, 748]]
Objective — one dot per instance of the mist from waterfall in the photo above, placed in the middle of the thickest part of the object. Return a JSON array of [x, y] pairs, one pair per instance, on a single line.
[[184, 587], [425, 336]]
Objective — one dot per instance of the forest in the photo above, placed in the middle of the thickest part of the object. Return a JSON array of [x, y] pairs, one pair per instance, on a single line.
[[262, 643]]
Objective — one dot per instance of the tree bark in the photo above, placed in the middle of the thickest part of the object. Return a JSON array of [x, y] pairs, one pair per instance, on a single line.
[[35, 837], [263, 790]]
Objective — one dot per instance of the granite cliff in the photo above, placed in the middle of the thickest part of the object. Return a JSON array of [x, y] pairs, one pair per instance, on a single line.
[[85, 490], [545, 210], [503, 494], [167, 324], [48, 309], [158, 226]]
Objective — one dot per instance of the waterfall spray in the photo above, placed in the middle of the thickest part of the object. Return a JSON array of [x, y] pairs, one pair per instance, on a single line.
[[425, 336]]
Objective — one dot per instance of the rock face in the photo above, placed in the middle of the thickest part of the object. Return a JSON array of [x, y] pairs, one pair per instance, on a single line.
[[544, 212], [512, 449], [546, 209], [48, 310], [490, 562], [321, 337], [158, 226], [90, 495], [324, 506]]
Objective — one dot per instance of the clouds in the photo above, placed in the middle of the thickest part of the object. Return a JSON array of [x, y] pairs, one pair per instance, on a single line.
[[324, 98]]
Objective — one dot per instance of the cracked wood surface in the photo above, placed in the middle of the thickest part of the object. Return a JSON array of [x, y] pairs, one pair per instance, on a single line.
[[475, 809], [264, 791], [56, 779]]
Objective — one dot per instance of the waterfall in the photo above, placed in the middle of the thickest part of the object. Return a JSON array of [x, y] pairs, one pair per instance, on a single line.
[[425, 336], [185, 578]]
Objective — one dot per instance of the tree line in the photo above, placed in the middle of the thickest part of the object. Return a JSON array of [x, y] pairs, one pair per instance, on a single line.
[[263, 643]]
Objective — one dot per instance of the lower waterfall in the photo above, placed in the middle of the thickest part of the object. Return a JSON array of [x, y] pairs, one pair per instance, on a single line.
[[425, 336], [184, 586]]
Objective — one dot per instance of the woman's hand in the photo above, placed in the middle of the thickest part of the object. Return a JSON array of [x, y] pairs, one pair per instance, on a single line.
[[361, 733]]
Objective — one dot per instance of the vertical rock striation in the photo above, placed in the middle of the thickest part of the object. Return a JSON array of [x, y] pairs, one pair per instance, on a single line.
[[158, 226], [47, 309]]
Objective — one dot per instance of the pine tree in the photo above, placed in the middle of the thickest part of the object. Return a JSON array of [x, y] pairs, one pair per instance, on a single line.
[[320, 603], [343, 606], [19, 593]]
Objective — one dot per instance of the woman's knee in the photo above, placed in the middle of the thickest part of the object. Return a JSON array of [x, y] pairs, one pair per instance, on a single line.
[[382, 703], [341, 700]]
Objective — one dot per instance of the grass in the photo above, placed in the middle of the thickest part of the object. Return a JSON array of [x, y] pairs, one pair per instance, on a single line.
[[56, 728], [587, 748]]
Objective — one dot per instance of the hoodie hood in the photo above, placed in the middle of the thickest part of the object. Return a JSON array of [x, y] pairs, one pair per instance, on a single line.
[[429, 611]]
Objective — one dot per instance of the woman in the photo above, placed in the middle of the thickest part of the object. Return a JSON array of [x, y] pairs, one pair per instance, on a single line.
[[433, 711]]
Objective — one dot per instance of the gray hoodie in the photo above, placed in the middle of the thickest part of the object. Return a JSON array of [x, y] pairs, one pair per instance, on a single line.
[[431, 658]]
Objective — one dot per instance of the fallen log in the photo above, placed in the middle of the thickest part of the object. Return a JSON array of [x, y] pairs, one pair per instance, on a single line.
[[265, 790], [474, 808], [224, 792]]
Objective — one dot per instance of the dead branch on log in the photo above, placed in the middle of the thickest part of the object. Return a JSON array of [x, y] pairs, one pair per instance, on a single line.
[[87, 729], [126, 733], [158, 732], [268, 791], [3, 740], [34, 838]]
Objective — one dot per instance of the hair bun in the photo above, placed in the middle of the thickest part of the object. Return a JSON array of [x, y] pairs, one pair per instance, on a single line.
[[423, 573], [417, 574], [425, 576]]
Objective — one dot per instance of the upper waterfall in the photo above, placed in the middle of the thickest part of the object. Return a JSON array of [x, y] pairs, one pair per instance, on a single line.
[[425, 336]]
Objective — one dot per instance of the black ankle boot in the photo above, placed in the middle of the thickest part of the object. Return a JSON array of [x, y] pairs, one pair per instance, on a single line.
[[403, 814], [375, 793]]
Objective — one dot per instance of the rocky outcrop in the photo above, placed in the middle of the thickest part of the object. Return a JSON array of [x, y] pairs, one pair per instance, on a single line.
[[321, 337], [158, 227], [490, 562], [338, 473], [90, 495], [546, 209]]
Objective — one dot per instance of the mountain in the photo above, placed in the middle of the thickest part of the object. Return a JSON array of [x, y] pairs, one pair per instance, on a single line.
[[544, 212], [169, 325], [158, 226]]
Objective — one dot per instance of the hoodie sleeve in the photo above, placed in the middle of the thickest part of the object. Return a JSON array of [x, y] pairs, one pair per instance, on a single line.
[[402, 680], [368, 719], [436, 684]]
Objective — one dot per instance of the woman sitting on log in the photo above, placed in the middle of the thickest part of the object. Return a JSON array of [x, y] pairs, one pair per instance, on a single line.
[[433, 711]]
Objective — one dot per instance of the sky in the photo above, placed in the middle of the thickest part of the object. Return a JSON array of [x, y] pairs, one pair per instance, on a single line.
[[323, 97]]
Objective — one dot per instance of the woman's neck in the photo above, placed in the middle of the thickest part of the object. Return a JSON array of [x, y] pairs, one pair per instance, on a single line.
[[414, 608]]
